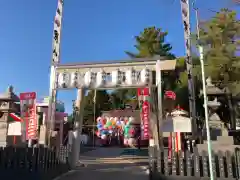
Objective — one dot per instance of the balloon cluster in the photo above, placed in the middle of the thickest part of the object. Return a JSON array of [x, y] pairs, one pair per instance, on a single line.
[[108, 125]]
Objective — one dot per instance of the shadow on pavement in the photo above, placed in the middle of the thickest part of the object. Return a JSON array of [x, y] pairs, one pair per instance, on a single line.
[[110, 163], [106, 172]]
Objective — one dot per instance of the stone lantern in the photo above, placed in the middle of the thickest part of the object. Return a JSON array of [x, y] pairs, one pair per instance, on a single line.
[[218, 130], [7, 105]]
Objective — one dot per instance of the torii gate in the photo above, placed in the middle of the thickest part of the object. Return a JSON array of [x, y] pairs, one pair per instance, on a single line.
[[109, 75]]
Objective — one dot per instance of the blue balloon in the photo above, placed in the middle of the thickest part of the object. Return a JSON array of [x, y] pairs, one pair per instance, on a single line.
[[104, 132], [99, 126]]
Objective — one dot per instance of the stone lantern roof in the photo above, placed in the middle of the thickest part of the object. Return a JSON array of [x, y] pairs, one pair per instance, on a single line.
[[9, 95], [212, 89]]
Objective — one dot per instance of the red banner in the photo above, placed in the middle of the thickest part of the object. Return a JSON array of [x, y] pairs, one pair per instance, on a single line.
[[145, 119], [144, 93], [29, 114]]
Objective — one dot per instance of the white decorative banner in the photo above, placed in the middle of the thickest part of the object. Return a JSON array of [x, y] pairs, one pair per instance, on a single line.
[[187, 33]]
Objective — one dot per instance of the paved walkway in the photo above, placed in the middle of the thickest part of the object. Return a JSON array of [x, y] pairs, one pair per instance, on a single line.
[[108, 164]]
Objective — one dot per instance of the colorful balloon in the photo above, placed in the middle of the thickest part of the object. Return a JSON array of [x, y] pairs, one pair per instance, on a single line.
[[118, 123], [116, 118], [131, 119], [113, 123], [104, 132], [99, 119], [107, 118], [99, 126], [105, 126], [125, 141], [103, 136], [103, 121], [109, 123], [98, 133]]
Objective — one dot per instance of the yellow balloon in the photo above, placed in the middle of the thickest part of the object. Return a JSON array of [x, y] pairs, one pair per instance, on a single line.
[[113, 123]]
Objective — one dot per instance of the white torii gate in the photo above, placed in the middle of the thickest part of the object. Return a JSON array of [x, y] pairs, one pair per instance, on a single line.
[[109, 75]]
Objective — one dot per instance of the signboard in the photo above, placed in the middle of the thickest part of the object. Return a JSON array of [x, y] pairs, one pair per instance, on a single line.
[[14, 129], [177, 124], [29, 115]]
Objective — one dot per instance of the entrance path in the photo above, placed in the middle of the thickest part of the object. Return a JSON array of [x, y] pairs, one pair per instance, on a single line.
[[108, 164]]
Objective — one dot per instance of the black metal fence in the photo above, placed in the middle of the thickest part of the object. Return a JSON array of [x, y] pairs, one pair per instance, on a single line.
[[194, 165], [33, 163]]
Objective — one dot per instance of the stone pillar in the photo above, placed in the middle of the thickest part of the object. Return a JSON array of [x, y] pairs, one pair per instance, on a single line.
[[77, 131], [3, 129]]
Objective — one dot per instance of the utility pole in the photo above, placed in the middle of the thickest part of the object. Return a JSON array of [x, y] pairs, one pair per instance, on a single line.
[[200, 48]]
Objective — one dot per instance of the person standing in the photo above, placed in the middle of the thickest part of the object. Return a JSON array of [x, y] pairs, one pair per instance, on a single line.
[[138, 133]]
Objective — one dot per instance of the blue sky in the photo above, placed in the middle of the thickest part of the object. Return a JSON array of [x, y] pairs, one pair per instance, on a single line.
[[93, 30]]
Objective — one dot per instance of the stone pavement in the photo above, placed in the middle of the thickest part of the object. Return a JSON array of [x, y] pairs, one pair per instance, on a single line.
[[107, 163]]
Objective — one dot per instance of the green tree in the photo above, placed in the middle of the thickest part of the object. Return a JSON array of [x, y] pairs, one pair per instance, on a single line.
[[102, 104], [220, 38], [151, 42], [122, 97]]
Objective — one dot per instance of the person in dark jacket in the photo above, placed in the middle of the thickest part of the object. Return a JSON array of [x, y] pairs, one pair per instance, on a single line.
[[138, 137]]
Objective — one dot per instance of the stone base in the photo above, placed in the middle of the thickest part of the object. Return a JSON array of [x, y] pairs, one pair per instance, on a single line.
[[223, 143], [3, 144], [3, 134], [216, 148]]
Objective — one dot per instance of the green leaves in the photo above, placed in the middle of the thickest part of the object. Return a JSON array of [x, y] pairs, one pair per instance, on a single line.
[[219, 37], [151, 42], [102, 104]]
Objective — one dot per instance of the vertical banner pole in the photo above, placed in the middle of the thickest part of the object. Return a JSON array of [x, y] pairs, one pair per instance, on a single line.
[[159, 100], [191, 91], [55, 61], [159, 113]]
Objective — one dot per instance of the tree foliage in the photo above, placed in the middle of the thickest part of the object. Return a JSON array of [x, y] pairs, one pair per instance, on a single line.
[[151, 42], [220, 38], [102, 104]]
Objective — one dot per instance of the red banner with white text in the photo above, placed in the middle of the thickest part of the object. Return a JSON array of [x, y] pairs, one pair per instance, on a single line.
[[29, 115], [143, 96]]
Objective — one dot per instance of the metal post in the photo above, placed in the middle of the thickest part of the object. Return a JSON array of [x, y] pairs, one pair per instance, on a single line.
[[77, 130], [55, 61], [200, 48]]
